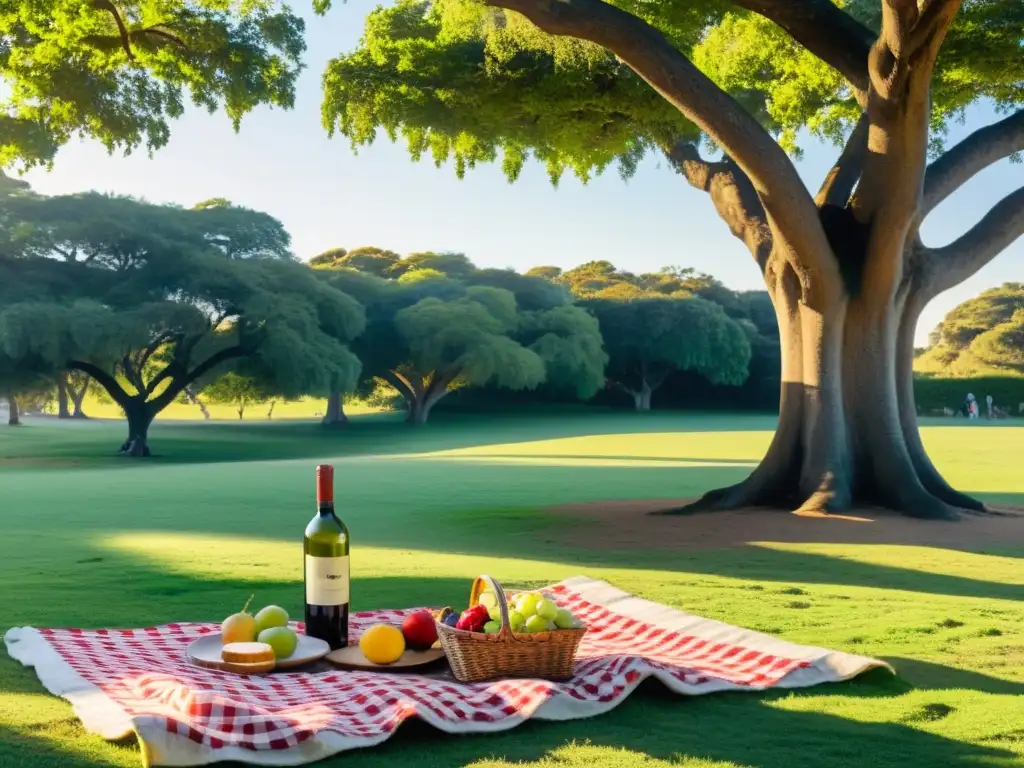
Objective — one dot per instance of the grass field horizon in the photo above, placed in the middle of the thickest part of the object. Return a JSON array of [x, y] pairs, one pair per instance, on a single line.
[[92, 539]]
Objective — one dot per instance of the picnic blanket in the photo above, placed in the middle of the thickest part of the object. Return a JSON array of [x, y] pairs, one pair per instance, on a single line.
[[139, 681]]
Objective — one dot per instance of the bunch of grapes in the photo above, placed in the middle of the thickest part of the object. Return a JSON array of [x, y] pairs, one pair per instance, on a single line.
[[529, 612]]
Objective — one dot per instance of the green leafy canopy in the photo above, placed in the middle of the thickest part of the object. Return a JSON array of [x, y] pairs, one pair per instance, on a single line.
[[459, 81], [169, 296], [119, 70]]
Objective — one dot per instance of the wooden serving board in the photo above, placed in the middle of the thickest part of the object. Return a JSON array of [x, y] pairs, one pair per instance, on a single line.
[[205, 652], [352, 658]]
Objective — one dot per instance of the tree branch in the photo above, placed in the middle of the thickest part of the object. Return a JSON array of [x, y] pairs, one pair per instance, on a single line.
[[825, 30], [105, 380], [400, 383], [149, 351], [974, 154], [841, 180], [949, 266], [134, 377], [109, 7], [787, 203], [179, 384], [732, 194]]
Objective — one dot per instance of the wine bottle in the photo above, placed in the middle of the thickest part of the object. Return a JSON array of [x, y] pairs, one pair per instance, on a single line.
[[326, 567]]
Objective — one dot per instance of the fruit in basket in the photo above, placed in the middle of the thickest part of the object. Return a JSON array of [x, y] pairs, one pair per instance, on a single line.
[[473, 619], [564, 619], [488, 599], [271, 616], [538, 624], [546, 609], [526, 603], [419, 630], [516, 620], [282, 639], [239, 627], [492, 627], [451, 619], [382, 644]]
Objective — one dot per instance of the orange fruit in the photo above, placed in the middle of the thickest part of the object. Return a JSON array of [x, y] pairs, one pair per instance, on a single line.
[[382, 644]]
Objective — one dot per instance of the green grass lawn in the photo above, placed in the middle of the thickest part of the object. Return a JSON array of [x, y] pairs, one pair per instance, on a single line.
[[90, 539]]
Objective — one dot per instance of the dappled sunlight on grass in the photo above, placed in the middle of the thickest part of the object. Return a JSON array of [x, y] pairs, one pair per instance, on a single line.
[[572, 461], [721, 446]]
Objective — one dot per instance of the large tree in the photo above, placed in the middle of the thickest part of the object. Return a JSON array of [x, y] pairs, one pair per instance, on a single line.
[[119, 71], [581, 84], [428, 334], [650, 337], [149, 300]]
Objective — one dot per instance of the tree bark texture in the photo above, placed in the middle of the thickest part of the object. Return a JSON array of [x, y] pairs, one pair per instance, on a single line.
[[846, 269], [335, 414]]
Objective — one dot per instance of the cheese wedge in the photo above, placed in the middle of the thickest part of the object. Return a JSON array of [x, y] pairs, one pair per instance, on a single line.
[[247, 653]]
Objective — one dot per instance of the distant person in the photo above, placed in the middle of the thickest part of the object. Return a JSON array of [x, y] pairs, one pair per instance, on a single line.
[[972, 407], [990, 403]]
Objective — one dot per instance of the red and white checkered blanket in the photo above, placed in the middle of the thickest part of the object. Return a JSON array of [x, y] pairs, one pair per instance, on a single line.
[[140, 680]]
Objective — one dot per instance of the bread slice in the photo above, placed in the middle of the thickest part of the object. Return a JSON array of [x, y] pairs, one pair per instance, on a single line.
[[247, 669], [247, 653]]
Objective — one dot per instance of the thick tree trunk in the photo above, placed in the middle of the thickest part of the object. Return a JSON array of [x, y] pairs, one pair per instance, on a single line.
[[62, 397], [13, 411], [847, 432], [641, 398], [241, 411], [139, 420], [420, 407], [335, 415], [78, 398]]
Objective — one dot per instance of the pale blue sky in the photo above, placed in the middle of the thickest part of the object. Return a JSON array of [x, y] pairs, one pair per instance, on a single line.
[[283, 163]]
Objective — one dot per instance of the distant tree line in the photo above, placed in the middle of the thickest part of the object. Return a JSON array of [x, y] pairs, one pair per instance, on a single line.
[[144, 305]]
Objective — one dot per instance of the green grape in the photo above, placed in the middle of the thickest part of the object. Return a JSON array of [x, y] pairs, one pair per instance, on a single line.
[[488, 600], [537, 624], [564, 619], [494, 613], [527, 603], [516, 620], [492, 627], [546, 609]]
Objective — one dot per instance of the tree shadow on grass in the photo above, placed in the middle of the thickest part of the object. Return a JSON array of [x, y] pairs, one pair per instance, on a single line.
[[752, 729], [378, 434], [760, 564], [928, 676]]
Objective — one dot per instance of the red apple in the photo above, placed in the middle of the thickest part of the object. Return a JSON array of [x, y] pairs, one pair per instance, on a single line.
[[419, 630]]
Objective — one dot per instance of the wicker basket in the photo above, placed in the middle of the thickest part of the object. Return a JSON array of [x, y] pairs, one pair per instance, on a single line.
[[476, 656]]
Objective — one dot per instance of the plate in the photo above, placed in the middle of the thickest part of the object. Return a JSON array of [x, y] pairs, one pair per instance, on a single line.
[[352, 658], [205, 652]]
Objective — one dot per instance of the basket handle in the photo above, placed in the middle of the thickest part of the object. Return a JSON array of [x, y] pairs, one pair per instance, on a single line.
[[474, 595]]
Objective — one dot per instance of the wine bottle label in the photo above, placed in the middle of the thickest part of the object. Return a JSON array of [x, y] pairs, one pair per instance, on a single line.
[[326, 580]]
